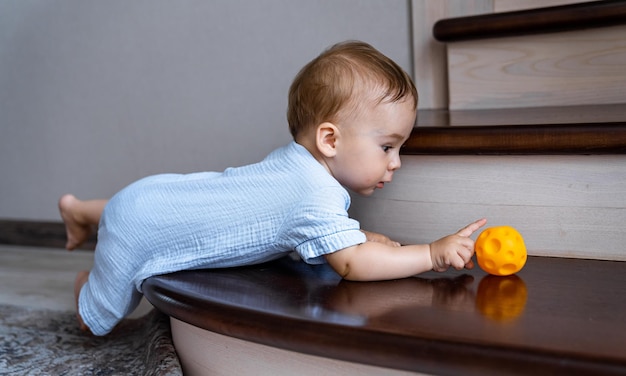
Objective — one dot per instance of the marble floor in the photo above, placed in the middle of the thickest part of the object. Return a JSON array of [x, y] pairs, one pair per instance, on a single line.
[[43, 277]]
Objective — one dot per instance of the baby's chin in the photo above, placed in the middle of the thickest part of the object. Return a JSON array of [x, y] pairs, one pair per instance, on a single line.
[[367, 192]]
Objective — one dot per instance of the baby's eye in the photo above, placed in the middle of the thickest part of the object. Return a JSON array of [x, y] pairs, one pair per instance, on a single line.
[[386, 148]]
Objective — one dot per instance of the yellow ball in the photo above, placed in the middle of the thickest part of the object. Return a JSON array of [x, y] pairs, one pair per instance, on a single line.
[[500, 250]]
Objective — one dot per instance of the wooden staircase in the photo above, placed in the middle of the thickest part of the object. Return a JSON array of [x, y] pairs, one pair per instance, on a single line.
[[567, 55], [534, 135]]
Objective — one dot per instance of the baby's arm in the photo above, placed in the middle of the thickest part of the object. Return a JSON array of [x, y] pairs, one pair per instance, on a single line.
[[372, 260], [380, 238]]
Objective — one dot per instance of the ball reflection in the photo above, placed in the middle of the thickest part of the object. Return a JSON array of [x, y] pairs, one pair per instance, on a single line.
[[501, 298]]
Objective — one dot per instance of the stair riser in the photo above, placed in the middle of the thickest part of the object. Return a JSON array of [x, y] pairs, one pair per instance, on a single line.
[[564, 206], [562, 69]]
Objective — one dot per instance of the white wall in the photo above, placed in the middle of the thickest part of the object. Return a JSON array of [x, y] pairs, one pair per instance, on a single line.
[[96, 94]]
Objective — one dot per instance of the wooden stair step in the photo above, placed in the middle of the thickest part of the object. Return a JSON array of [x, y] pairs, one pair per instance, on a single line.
[[532, 21], [599, 129], [568, 55]]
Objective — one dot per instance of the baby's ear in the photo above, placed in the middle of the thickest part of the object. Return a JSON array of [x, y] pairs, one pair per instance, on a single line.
[[326, 137]]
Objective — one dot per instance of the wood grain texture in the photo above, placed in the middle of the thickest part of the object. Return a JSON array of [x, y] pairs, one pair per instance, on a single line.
[[597, 129], [429, 56], [545, 19], [564, 206], [515, 5], [554, 317], [566, 115], [501, 140], [562, 69]]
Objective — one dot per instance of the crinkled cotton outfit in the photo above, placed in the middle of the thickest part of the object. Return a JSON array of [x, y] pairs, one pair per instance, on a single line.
[[244, 215]]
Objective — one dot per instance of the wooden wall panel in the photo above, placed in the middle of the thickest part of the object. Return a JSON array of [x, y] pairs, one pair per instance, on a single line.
[[513, 5], [429, 56], [561, 69], [564, 206]]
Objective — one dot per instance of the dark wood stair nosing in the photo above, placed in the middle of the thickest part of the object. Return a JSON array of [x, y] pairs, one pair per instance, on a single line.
[[560, 18], [569, 139]]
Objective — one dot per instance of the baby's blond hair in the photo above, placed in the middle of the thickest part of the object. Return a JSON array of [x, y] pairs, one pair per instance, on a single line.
[[340, 80]]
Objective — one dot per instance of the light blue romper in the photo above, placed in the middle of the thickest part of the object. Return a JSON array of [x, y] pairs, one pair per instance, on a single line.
[[244, 215]]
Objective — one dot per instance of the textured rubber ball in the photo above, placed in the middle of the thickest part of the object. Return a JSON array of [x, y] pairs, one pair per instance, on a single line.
[[500, 251]]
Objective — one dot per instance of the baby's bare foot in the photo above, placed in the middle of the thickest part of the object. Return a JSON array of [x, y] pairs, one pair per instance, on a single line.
[[81, 279], [76, 228]]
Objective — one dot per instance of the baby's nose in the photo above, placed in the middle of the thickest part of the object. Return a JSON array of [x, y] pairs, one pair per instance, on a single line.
[[395, 164]]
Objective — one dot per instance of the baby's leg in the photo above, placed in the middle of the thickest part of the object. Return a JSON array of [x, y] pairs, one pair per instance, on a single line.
[[81, 279], [108, 293], [80, 218]]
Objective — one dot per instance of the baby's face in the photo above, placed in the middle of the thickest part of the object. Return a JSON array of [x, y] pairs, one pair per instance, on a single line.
[[369, 149]]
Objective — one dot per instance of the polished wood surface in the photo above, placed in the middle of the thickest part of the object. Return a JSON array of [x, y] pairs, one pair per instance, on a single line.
[[577, 16], [521, 139], [556, 316], [597, 129]]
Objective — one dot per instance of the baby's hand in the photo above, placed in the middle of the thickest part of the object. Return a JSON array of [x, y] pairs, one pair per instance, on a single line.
[[455, 250], [379, 238]]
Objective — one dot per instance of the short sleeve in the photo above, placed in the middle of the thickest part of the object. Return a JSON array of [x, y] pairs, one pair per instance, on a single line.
[[320, 225]]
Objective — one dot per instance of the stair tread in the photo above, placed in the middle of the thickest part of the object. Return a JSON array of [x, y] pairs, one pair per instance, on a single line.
[[532, 21], [556, 316], [597, 129]]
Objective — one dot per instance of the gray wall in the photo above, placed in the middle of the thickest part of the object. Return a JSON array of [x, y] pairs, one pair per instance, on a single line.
[[96, 94]]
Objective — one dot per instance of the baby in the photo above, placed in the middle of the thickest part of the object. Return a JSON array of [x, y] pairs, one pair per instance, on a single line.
[[350, 110]]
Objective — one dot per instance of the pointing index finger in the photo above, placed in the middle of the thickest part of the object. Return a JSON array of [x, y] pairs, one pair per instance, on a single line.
[[472, 227]]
